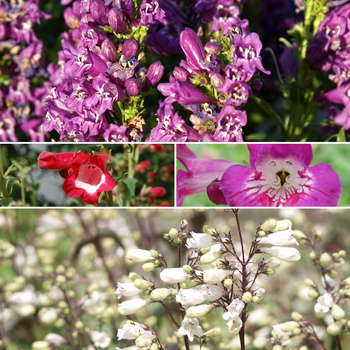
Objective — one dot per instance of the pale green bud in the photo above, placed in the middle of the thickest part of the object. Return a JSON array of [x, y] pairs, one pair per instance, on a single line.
[[337, 312], [144, 341], [62, 304], [247, 297], [48, 269], [60, 323], [312, 255], [318, 234], [260, 343], [325, 260], [347, 281], [75, 334], [289, 326], [309, 282], [151, 321], [198, 311], [270, 272], [184, 223], [209, 258], [13, 287], [282, 225], [273, 262], [269, 225], [160, 294], [304, 347], [71, 293], [261, 233], [296, 316], [154, 254], [92, 287], [177, 240], [213, 332], [296, 331], [60, 279], [149, 267], [187, 284], [335, 255], [174, 292], [332, 274], [341, 291], [154, 346], [342, 253], [298, 234], [205, 250], [60, 269], [20, 279], [41, 345], [277, 347], [208, 229], [228, 283], [348, 324], [133, 276], [173, 232], [79, 325], [187, 268], [256, 299], [334, 328], [312, 294]]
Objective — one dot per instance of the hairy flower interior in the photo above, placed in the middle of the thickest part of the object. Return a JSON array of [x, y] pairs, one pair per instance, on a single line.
[[90, 178]]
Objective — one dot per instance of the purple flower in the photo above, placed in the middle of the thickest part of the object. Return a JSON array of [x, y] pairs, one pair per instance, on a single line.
[[133, 86], [238, 92], [200, 172], [150, 12], [130, 48], [154, 73], [115, 133], [117, 21], [288, 62], [280, 176]]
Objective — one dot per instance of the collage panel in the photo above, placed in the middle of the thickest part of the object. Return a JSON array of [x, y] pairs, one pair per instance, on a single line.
[[63, 175], [263, 175], [174, 278]]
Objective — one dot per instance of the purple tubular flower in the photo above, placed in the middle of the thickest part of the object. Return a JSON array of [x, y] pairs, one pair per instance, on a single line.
[[280, 176], [108, 50], [193, 49], [180, 73], [117, 21], [150, 12], [99, 11], [200, 172], [116, 133], [154, 73], [133, 86], [130, 48], [183, 93], [247, 53]]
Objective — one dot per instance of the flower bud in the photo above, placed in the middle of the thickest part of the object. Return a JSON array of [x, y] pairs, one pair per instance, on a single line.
[[133, 86], [334, 328], [312, 294], [261, 233], [117, 21], [298, 234], [173, 275], [273, 262], [79, 325], [148, 267], [198, 311], [187, 284], [256, 299], [98, 11], [277, 347], [215, 276], [217, 80], [309, 282], [296, 331], [312, 255], [332, 274], [154, 346], [144, 341], [60, 279], [180, 74], [173, 232], [160, 294], [228, 283], [289, 326], [282, 225], [304, 347], [212, 47], [139, 255], [247, 297], [130, 47], [325, 260], [129, 307], [108, 50], [208, 229], [296, 316], [210, 257], [187, 268], [41, 345], [269, 225], [347, 281], [48, 316], [154, 73], [318, 234], [214, 332], [342, 253], [270, 272], [337, 312], [154, 254], [260, 343], [142, 284]]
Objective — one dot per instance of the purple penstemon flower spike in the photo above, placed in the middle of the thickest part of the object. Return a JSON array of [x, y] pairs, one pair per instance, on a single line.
[[280, 176]]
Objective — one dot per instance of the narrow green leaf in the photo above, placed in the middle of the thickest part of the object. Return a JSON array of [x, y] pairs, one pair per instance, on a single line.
[[9, 184], [341, 136]]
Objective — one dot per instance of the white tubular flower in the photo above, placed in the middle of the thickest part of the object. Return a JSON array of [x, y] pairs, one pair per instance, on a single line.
[[324, 303], [129, 331], [126, 290], [190, 327], [100, 339], [214, 254], [23, 310], [282, 253], [55, 339], [24, 297], [273, 262], [173, 275], [160, 294], [139, 255], [198, 311], [129, 307], [190, 297], [198, 240], [234, 324], [215, 276], [145, 341], [234, 309], [211, 293], [48, 316], [41, 345], [281, 238]]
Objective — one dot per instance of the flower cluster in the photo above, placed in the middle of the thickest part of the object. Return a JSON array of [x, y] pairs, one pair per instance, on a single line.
[[279, 175], [23, 71], [212, 82], [98, 86], [217, 274]]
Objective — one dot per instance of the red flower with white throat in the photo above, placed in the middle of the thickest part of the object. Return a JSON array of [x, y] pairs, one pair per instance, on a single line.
[[88, 178]]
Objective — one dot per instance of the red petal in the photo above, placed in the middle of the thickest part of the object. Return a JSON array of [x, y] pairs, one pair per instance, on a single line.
[[69, 187], [55, 161]]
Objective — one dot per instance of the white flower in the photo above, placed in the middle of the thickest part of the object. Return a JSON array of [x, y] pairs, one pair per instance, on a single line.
[[55, 339], [139, 255], [173, 275], [129, 331], [215, 276], [41, 345], [23, 310], [190, 297], [190, 327], [129, 307], [234, 324], [100, 339], [282, 253], [214, 253], [24, 297], [161, 294], [126, 290], [211, 293], [198, 240], [198, 311], [234, 309], [48, 315], [324, 303], [280, 238]]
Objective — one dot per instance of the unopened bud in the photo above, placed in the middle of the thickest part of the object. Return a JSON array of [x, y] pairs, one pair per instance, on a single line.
[[160, 294], [213, 332], [256, 299], [148, 267], [269, 225], [298, 234], [277, 347], [60, 279], [154, 254], [296, 331], [325, 260], [79, 325], [312, 255], [304, 347], [177, 240], [296, 316], [144, 341], [282, 225], [318, 234], [133, 276], [334, 328], [173, 232], [262, 233], [260, 343], [208, 229], [187, 268], [332, 274], [198, 311], [312, 294], [209, 258], [154, 346], [337, 312], [273, 262], [142, 284], [342, 253], [187, 284], [289, 326], [247, 297], [41, 345], [139, 255], [228, 283], [347, 281], [309, 282], [270, 272]]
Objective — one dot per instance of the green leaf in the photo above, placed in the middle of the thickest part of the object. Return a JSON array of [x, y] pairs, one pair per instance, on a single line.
[[9, 170], [9, 184], [5, 202], [131, 185], [341, 136]]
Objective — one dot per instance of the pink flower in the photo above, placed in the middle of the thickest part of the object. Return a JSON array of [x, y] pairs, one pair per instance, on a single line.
[[88, 178]]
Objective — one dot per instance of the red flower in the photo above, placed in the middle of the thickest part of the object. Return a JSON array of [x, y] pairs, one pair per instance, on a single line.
[[88, 178], [142, 166], [156, 192], [55, 161], [163, 204]]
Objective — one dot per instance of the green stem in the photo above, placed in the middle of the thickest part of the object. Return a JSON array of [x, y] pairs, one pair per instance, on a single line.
[[2, 179], [23, 195], [109, 197]]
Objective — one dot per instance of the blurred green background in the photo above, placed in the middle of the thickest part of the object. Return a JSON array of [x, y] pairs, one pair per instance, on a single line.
[[337, 155]]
